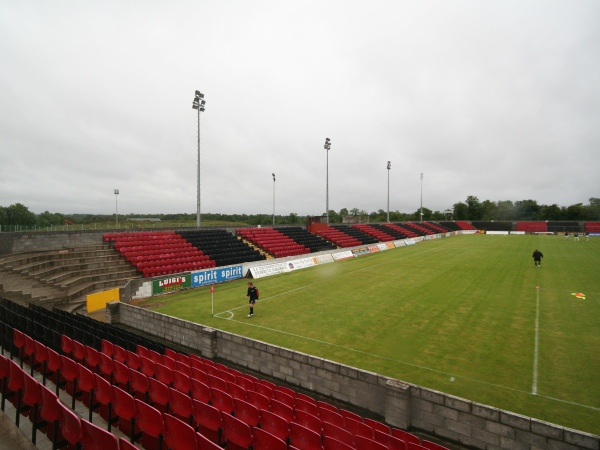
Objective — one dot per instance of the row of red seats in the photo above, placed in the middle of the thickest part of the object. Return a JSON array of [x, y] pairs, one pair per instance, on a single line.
[[338, 237], [465, 225], [273, 241], [166, 381], [125, 235], [405, 231], [64, 427], [380, 235], [540, 227], [592, 227]]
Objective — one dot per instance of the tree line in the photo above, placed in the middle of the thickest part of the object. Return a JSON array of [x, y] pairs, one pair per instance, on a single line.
[[471, 209]]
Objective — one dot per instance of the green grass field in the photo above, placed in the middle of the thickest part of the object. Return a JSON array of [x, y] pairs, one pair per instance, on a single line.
[[462, 315]]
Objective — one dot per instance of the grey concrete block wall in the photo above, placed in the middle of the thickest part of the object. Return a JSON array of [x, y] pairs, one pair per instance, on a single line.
[[43, 240], [403, 405]]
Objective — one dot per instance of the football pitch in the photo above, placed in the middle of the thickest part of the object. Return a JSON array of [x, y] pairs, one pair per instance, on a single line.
[[467, 315]]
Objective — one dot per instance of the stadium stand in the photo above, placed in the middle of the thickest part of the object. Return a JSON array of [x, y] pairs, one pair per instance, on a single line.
[[157, 253], [408, 232], [558, 226], [532, 227], [221, 246], [375, 232], [276, 243], [338, 237], [312, 241], [418, 228], [356, 233], [190, 418], [592, 227], [458, 225], [392, 231], [492, 225]]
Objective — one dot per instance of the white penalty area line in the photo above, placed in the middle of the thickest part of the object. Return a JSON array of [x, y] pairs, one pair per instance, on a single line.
[[536, 340]]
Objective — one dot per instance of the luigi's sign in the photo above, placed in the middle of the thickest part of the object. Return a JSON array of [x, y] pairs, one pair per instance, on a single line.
[[171, 284]]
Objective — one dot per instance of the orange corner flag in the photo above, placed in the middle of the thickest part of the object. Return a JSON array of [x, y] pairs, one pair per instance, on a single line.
[[212, 288], [579, 295]]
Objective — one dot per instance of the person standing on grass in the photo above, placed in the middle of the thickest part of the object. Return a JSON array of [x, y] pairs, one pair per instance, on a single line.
[[566, 235], [537, 258], [252, 296], [575, 236]]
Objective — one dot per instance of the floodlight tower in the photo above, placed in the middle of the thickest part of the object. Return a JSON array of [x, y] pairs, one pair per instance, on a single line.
[[389, 166], [421, 196], [117, 207], [273, 198], [327, 146], [198, 104]]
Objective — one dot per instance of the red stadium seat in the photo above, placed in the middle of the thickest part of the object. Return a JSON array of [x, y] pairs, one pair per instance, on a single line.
[[178, 434], [95, 438], [263, 440], [151, 425], [237, 434], [207, 419]]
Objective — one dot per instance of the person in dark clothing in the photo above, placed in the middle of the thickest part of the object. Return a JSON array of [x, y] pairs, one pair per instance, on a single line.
[[252, 296], [537, 258]]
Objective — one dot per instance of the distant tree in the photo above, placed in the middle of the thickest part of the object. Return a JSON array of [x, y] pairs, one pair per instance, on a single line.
[[355, 211], [334, 217], [461, 211], [474, 208], [551, 212], [594, 209], [47, 219], [344, 212], [526, 210], [505, 210], [488, 210], [575, 212], [18, 214]]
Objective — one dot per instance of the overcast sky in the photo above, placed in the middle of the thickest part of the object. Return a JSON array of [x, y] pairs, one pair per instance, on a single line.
[[496, 99]]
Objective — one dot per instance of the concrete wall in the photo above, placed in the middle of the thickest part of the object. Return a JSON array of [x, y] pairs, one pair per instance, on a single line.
[[42, 241], [402, 405]]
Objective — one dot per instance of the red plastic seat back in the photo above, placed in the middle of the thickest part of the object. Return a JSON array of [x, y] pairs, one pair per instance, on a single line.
[[149, 419], [95, 438], [50, 410], [304, 438], [104, 393], [237, 432], [274, 424], [70, 425], [264, 439], [124, 405], [178, 434], [15, 376]]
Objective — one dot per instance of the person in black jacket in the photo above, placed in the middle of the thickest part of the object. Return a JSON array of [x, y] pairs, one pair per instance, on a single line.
[[252, 296], [537, 258]]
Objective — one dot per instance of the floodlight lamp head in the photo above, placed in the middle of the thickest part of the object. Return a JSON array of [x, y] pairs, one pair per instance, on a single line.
[[389, 165], [273, 176]]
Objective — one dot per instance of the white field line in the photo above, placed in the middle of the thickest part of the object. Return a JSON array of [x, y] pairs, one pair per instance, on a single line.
[[536, 341]]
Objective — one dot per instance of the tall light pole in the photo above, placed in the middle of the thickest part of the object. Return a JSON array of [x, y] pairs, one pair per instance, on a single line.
[[389, 166], [198, 104], [117, 207], [327, 146], [273, 199], [421, 196]]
